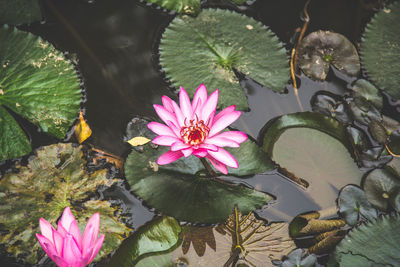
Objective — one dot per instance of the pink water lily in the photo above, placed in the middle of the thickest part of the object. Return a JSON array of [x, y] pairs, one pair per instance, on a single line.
[[66, 246], [195, 128]]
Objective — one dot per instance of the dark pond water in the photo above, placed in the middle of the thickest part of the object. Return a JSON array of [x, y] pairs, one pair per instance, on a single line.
[[115, 45]]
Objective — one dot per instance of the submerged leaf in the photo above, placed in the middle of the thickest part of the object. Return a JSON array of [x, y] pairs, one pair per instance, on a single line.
[[371, 244], [207, 49], [54, 178], [19, 11], [365, 89], [352, 203], [321, 48], [37, 83], [179, 6], [380, 50]]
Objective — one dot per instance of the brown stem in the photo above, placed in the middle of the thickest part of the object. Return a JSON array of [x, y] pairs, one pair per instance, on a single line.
[[208, 168]]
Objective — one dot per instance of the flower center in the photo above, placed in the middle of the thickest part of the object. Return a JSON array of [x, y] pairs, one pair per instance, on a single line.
[[194, 132]]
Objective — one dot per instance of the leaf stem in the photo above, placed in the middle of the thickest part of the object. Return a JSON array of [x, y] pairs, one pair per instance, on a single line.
[[208, 168]]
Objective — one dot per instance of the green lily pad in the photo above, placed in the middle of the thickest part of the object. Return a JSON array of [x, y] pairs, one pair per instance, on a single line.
[[208, 48], [19, 11], [54, 178], [39, 84], [375, 243], [179, 6], [183, 190], [380, 49], [299, 258], [381, 186], [352, 203], [315, 148], [321, 48], [160, 234], [365, 89]]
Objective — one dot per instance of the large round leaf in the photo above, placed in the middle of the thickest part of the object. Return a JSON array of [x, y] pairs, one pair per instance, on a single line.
[[316, 148], [39, 84], [54, 178], [374, 243], [380, 49], [207, 48], [183, 190]]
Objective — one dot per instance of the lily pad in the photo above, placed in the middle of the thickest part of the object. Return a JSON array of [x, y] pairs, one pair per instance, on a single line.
[[374, 243], [179, 6], [353, 203], [299, 258], [54, 178], [37, 83], [19, 11], [315, 148], [381, 186], [380, 49], [207, 49], [321, 48], [183, 190], [161, 234], [365, 89]]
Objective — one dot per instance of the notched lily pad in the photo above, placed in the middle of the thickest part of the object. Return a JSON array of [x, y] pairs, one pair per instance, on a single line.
[[321, 48], [208, 48], [353, 204], [37, 83], [371, 244], [54, 178], [380, 50], [180, 6], [19, 11]]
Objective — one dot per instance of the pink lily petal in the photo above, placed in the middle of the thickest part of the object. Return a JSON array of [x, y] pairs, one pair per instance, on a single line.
[[210, 147], [200, 97], [225, 111], [167, 103], [210, 120], [165, 115], [184, 102], [76, 233], [60, 262], [46, 228], [187, 152], [221, 141], [61, 230], [71, 252], [96, 248], [179, 145], [67, 218], [179, 115], [168, 157], [224, 157], [237, 136], [200, 153], [223, 122], [47, 246], [165, 140], [91, 232], [160, 129], [209, 106], [218, 165], [174, 128], [58, 242]]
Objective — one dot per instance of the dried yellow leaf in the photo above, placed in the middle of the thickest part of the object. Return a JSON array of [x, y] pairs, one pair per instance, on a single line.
[[139, 141], [82, 129]]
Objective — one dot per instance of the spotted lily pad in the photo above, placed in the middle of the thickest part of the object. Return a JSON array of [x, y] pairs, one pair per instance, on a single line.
[[184, 190], [207, 49], [37, 83], [19, 11], [375, 243], [321, 48], [179, 6], [54, 178], [315, 148], [380, 49], [353, 204]]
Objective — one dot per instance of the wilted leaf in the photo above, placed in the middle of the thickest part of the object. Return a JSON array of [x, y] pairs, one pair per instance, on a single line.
[[208, 48], [37, 83], [353, 203], [321, 48], [54, 178], [82, 129], [310, 224], [19, 11], [138, 141]]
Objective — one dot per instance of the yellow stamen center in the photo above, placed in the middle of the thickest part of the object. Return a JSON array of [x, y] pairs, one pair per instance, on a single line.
[[194, 132]]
